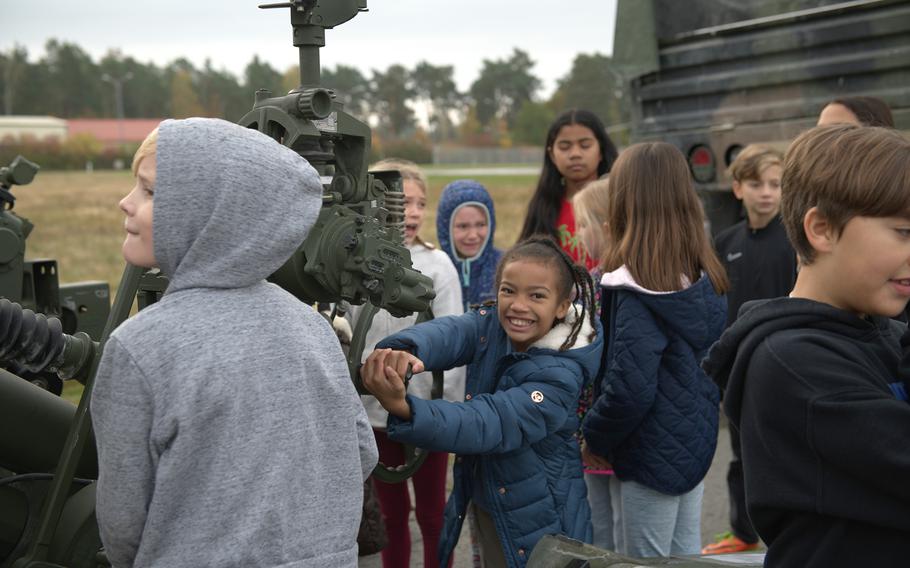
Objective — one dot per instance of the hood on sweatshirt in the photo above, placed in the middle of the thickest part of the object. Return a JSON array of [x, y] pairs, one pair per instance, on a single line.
[[231, 204], [695, 313], [729, 358]]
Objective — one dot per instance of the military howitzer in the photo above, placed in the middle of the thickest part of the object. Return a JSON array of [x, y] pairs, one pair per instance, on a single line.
[[34, 283], [354, 254]]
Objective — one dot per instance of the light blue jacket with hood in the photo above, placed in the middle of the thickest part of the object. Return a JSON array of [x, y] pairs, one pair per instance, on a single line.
[[229, 432]]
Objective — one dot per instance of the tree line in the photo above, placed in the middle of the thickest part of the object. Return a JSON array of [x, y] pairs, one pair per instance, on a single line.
[[501, 107]]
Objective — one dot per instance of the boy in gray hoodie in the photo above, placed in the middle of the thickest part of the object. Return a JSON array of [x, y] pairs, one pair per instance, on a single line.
[[229, 432]]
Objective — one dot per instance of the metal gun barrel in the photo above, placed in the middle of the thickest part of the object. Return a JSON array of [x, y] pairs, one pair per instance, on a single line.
[[34, 423], [33, 428]]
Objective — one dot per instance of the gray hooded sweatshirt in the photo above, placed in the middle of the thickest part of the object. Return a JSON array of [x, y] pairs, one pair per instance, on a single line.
[[229, 432]]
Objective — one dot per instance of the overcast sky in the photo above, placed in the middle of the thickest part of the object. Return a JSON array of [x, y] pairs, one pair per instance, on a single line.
[[230, 32]]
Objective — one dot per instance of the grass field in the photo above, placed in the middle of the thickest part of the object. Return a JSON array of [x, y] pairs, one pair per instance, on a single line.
[[77, 221]]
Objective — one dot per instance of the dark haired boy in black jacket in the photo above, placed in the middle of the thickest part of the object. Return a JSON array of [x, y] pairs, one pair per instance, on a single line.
[[761, 264], [812, 381]]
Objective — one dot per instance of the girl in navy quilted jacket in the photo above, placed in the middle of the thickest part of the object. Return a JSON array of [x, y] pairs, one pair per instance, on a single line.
[[518, 464], [655, 418]]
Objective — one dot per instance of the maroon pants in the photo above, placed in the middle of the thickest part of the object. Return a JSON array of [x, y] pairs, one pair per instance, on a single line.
[[395, 503]]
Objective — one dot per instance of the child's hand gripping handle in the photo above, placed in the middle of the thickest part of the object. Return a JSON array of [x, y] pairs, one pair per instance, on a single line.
[[385, 374]]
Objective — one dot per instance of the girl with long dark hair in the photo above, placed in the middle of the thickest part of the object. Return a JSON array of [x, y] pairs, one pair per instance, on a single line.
[[578, 151]]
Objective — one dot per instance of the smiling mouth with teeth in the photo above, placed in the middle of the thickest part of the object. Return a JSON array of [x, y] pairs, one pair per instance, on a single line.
[[520, 322]]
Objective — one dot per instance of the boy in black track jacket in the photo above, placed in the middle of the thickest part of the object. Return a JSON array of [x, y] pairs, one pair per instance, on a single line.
[[812, 380], [761, 264], [759, 259]]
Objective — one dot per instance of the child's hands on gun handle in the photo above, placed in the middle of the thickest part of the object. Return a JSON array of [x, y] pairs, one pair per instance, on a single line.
[[383, 375]]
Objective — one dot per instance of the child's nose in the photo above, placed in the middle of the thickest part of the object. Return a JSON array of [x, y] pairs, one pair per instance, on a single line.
[[520, 304], [124, 203]]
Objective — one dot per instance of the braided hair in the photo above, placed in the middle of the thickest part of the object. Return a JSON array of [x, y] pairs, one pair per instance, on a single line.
[[573, 281]]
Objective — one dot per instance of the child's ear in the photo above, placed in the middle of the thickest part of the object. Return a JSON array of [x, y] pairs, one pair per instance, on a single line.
[[563, 308], [818, 230], [738, 190]]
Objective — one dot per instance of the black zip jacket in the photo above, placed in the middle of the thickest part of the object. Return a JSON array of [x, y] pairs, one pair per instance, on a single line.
[[761, 263], [825, 429]]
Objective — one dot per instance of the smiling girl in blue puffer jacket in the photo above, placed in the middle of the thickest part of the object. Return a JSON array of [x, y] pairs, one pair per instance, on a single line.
[[518, 463]]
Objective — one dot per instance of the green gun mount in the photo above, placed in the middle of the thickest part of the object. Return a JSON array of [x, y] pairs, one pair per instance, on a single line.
[[14, 229], [355, 251], [34, 283]]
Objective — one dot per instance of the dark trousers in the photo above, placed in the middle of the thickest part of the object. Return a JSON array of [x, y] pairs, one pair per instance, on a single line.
[[739, 518]]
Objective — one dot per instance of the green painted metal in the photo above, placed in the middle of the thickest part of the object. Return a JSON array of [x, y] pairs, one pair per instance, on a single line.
[[33, 428], [413, 457], [354, 252], [75, 447], [14, 507], [13, 228], [733, 73], [34, 284]]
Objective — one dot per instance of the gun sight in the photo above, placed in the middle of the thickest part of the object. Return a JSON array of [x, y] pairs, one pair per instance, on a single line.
[[19, 172]]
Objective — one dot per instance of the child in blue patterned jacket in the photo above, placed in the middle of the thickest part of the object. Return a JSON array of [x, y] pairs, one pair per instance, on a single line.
[[528, 357]]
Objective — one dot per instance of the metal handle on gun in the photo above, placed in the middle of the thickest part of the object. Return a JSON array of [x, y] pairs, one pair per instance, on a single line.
[[414, 457], [407, 375]]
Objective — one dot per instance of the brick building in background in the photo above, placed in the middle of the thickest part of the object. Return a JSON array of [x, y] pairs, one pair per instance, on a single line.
[[112, 132]]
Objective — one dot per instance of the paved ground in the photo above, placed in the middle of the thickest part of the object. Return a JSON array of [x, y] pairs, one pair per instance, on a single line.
[[713, 521]]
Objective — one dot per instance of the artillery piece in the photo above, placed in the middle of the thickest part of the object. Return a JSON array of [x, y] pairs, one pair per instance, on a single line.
[[34, 283]]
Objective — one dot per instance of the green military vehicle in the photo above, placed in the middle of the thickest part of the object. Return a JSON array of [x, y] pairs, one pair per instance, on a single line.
[[711, 76]]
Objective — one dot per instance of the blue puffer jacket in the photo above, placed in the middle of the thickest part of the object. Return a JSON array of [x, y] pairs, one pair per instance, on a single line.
[[655, 418], [513, 435], [477, 273]]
